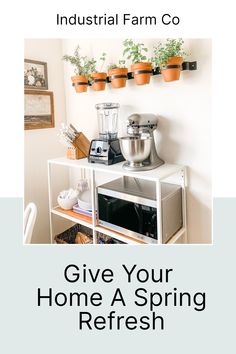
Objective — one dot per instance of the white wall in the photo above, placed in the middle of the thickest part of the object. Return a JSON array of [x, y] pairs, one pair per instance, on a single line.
[[42, 144], [184, 125]]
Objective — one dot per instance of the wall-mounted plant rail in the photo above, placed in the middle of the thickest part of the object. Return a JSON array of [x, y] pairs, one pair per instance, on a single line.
[[187, 65]]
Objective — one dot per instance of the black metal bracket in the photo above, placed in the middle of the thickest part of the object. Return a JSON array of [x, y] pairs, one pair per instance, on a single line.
[[99, 80], [189, 65], [79, 83]]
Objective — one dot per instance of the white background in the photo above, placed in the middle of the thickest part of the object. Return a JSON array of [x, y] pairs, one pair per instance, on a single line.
[[198, 19], [29, 330]]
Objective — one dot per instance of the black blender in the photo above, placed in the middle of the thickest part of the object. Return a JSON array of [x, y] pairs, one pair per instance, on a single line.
[[106, 149]]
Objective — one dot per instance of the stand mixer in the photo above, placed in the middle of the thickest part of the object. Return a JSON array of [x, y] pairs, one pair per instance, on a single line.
[[138, 148]]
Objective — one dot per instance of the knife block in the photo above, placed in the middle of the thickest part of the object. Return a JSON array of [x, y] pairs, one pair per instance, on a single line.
[[80, 149], [74, 154]]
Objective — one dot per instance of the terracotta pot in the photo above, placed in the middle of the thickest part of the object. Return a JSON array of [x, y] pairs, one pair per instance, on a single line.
[[142, 73], [118, 77], [172, 74], [99, 82], [80, 83]]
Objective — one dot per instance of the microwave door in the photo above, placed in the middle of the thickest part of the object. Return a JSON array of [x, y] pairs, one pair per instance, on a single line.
[[153, 226], [138, 210], [109, 201]]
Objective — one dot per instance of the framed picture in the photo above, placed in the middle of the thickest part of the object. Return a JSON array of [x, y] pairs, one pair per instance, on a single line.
[[39, 109], [35, 75]]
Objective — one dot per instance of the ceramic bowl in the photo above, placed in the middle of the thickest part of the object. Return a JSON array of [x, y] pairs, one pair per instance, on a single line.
[[84, 200], [66, 204]]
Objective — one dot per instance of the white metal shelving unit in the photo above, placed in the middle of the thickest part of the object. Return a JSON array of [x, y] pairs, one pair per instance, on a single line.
[[174, 173]]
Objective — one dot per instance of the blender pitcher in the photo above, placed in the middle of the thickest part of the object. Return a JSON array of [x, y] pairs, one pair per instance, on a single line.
[[107, 114]]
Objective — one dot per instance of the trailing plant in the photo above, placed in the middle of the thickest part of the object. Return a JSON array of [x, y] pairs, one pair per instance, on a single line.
[[171, 48], [121, 64], [83, 65], [134, 51]]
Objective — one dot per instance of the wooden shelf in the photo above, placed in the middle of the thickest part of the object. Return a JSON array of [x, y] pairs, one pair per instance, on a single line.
[[134, 241], [119, 236], [72, 216], [87, 221]]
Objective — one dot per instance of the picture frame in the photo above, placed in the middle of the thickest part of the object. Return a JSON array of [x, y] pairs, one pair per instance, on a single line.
[[38, 109], [35, 75]]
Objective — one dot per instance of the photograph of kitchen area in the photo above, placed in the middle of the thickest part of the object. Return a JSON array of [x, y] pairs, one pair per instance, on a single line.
[[117, 141]]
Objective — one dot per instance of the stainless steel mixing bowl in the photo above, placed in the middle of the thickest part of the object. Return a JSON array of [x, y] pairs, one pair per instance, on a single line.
[[135, 149]]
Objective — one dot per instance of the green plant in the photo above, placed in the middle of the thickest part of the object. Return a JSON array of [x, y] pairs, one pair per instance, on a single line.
[[134, 51], [121, 64], [102, 61], [171, 48], [83, 65]]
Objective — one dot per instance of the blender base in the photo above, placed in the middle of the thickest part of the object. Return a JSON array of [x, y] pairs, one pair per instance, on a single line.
[[105, 152]]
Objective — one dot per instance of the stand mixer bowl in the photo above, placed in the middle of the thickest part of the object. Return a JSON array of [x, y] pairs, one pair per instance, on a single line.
[[135, 149]]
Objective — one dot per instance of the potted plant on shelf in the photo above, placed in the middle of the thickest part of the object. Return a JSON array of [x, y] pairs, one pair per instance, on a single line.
[[118, 74], [136, 53], [83, 67], [169, 57], [99, 77]]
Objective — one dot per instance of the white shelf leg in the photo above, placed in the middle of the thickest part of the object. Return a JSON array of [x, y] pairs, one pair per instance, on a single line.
[[50, 201], [159, 212], [93, 189], [184, 206]]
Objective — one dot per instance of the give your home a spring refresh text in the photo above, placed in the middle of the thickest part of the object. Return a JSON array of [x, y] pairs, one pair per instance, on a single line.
[[137, 300]]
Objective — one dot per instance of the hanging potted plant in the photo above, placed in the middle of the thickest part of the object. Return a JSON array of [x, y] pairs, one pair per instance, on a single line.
[[118, 74], [169, 57], [99, 77], [140, 68], [83, 67]]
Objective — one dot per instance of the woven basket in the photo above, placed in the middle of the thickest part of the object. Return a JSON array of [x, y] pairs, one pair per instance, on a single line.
[[69, 236]]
